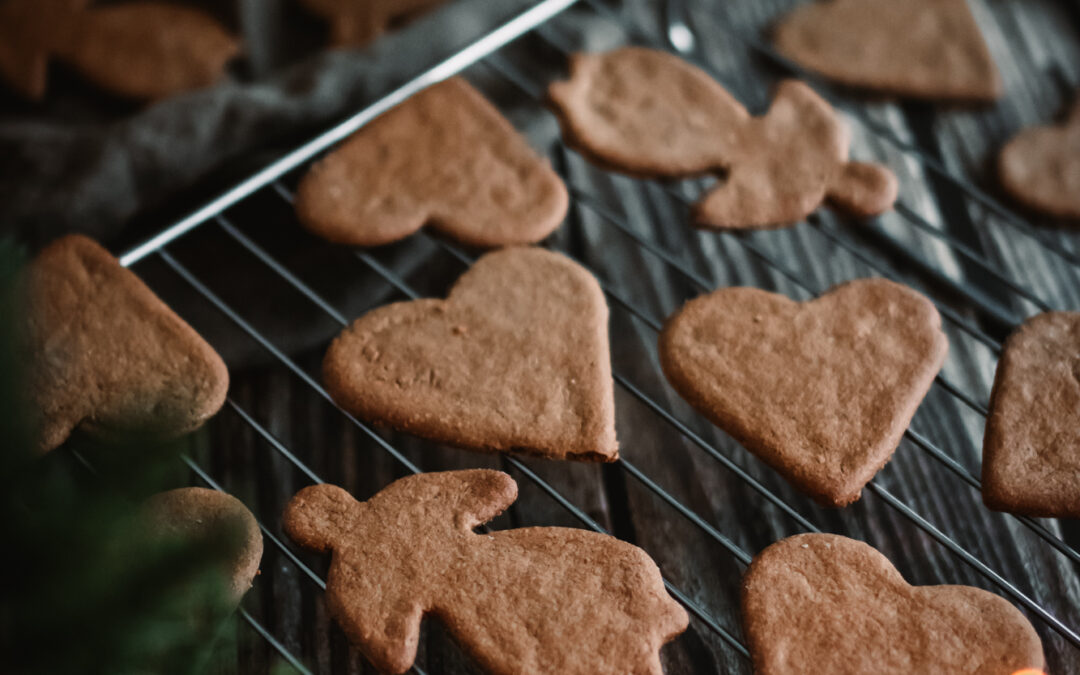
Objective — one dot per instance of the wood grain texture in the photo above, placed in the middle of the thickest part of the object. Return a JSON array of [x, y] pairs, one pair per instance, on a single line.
[[1037, 47]]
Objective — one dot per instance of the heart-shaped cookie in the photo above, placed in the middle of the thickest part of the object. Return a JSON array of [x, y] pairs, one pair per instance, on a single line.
[[1031, 450], [651, 114], [446, 158], [106, 355], [820, 390], [142, 50], [516, 358], [822, 603], [354, 23], [929, 49], [1041, 167]]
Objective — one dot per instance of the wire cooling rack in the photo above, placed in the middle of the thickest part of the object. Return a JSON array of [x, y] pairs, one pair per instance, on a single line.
[[978, 308]]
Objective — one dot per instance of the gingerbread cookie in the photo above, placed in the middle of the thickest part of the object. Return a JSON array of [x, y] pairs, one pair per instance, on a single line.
[[822, 603], [516, 358], [651, 114], [143, 50], [1040, 167], [821, 390], [530, 600], [201, 514], [445, 158], [106, 355], [1031, 450], [354, 23], [929, 49]]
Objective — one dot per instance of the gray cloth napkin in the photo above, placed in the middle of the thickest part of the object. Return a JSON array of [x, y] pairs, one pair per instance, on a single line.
[[65, 174]]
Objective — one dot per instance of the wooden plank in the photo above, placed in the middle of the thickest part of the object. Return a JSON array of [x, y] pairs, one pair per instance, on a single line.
[[1036, 46]]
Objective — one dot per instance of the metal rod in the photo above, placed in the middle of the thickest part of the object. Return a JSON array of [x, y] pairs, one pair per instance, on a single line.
[[228, 311], [885, 133], [489, 43], [510, 73], [976, 564], [223, 307]]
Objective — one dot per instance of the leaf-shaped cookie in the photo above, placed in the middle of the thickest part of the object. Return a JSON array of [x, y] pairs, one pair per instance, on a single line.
[[651, 114], [930, 49], [532, 600], [516, 358], [445, 157], [821, 603], [1031, 450], [106, 355], [143, 50], [203, 515], [1041, 167], [357, 22], [821, 390]]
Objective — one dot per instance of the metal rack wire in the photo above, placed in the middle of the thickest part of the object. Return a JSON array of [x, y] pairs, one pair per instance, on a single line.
[[536, 21]]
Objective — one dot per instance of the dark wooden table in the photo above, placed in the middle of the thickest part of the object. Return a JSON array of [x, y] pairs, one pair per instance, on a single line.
[[1037, 47]]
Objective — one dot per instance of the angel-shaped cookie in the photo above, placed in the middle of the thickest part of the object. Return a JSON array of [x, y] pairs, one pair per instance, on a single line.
[[651, 114], [530, 600]]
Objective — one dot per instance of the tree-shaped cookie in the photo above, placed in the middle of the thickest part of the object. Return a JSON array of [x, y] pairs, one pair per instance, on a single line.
[[930, 49], [531, 600], [821, 390], [444, 158], [514, 359], [354, 23], [1040, 167], [143, 49], [651, 114], [106, 355], [822, 603]]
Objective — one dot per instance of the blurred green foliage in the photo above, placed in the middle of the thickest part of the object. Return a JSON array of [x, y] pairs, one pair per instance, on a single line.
[[85, 589]]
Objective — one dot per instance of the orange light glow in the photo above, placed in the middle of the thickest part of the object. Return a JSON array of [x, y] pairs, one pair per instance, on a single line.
[[1029, 671]]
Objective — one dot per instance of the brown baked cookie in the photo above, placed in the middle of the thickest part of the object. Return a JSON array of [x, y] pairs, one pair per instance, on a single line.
[[929, 49], [143, 50], [515, 359], [822, 603], [29, 32], [444, 158], [1040, 167], [821, 390], [354, 23], [1031, 450], [149, 50], [651, 114], [201, 514], [106, 355], [531, 600]]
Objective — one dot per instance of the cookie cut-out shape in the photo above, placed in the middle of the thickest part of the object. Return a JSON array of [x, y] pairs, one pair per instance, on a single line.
[[1040, 167], [106, 355], [444, 158], [821, 390], [142, 50], [927, 49], [29, 31], [530, 600], [202, 514], [1031, 449], [354, 23], [515, 359], [822, 603], [651, 114]]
